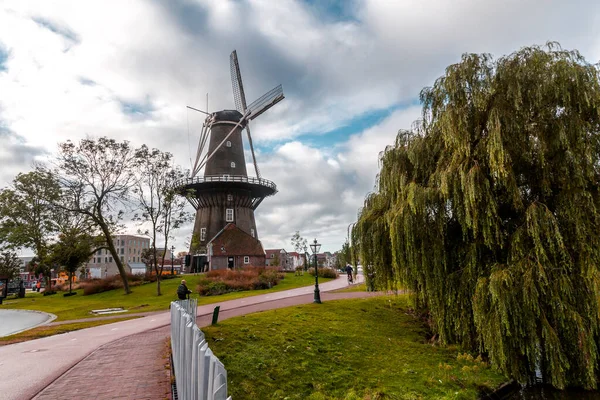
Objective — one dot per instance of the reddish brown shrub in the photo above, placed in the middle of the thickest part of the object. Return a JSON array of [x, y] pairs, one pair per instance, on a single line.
[[95, 285], [248, 278]]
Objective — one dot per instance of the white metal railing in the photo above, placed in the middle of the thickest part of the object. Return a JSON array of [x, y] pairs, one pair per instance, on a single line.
[[220, 178], [199, 375]]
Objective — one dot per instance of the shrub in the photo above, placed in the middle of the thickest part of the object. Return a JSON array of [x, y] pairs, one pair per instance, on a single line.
[[248, 278], [324, 273], [96, 285]]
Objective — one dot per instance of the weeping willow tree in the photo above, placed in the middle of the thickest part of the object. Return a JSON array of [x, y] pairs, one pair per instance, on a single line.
[[488, 211]]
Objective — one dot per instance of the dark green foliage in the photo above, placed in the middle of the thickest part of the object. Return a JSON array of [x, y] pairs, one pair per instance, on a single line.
[[27, 215], [488, 212], [72, 250], [9, 264]]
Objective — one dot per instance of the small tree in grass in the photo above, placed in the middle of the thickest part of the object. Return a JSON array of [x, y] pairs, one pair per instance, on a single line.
[[9, 264], [275, 261], [76, 242], [73, 249], [162, 209]]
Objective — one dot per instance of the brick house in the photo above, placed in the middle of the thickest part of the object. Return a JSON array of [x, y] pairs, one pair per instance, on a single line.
[[280, 258], [234, 248]]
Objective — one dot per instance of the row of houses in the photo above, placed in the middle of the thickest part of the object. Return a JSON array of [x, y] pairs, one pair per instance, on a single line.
[[291, 260], [230, 248], [234, 248]]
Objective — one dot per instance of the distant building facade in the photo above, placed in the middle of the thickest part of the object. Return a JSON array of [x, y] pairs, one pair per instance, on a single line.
[[129, 249], [279, 258]]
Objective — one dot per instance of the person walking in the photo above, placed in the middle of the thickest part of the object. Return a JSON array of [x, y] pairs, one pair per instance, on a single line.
[[182, 291]]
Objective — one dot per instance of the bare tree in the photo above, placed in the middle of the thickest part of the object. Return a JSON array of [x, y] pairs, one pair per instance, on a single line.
[[162, 209], [299, 244], [96, 177]]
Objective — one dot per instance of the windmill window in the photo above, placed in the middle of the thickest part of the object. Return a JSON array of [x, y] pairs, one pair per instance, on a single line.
[[225, 177], [202, 234], [272, 255], [232, 164], [229, 215], [246, 260], [252, 232], [228, 144], [229, 197]]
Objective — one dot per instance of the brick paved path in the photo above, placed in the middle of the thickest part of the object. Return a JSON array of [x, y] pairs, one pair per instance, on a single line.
[[129, 368], [134, 367]]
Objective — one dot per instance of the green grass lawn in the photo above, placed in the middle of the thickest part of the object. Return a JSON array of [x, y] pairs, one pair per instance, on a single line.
[[361, 287], [347, 349], [142, 299]]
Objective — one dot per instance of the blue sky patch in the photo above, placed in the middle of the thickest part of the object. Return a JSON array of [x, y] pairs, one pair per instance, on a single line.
[[333, 10], [136, 110], [86, 82], [56, 28], [3, 58], [340, 135]]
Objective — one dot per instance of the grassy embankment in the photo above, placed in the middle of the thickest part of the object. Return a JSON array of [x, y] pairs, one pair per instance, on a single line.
[[349, 349], [143, 298]]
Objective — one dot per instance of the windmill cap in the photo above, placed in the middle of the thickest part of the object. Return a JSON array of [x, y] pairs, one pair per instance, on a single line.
[[227, 115]]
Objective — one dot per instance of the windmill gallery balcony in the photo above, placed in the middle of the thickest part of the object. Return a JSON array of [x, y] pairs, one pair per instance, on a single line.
[[258, 188]]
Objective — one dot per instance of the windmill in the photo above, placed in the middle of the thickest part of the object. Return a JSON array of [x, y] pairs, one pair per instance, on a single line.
[[225, 193]]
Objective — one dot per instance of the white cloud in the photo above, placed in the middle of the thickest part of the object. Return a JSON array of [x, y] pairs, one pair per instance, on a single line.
[[73, 68]]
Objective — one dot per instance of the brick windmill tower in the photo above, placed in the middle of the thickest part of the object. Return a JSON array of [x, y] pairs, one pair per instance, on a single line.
[[225, 194]]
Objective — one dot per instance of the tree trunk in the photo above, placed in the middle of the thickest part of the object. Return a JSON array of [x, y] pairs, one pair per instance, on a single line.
[[70, 281], [113, 252]]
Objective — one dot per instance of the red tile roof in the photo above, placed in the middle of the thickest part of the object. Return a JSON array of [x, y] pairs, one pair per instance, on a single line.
[[232, 241], [273, 251]]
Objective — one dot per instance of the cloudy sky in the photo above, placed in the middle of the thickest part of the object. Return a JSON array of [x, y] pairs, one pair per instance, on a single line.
[[351, 73]]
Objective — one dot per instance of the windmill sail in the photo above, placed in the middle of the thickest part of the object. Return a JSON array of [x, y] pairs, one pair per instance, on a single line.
[[239, 97], [264, 102]]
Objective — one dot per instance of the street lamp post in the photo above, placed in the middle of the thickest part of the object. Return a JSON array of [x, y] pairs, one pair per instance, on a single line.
[[172, 250], [315, 247]]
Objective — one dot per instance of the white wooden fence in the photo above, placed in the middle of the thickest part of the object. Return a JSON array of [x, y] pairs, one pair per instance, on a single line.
[[199, 375]]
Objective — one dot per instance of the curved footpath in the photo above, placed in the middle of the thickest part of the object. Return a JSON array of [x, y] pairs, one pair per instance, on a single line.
[[124, 360], [15, 321]]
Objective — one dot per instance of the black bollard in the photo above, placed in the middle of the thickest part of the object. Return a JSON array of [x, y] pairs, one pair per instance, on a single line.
[[216, 315]]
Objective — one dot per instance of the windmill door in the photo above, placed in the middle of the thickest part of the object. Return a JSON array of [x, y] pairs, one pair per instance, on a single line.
[[230, 262]]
